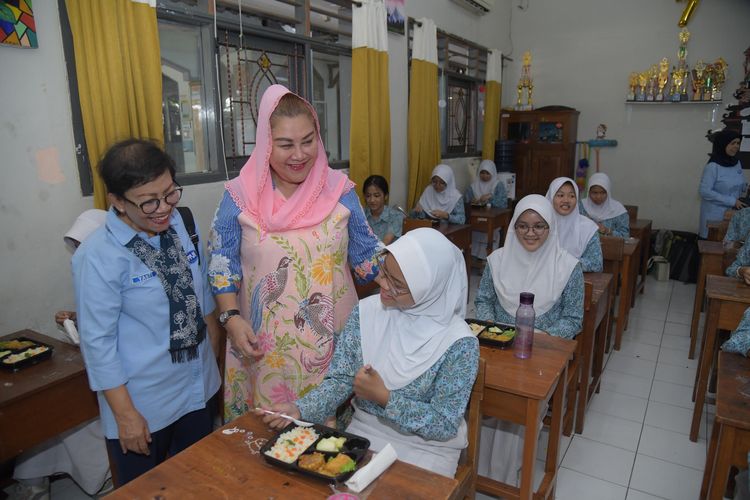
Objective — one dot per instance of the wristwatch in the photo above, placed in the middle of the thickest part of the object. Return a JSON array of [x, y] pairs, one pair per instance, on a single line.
[[224, 317]]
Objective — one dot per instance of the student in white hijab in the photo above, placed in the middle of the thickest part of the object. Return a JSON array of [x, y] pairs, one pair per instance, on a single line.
[[407, 355], [577, 233], [441, 200], [532, 260], [80, 452], [609, 214], [487, 188]]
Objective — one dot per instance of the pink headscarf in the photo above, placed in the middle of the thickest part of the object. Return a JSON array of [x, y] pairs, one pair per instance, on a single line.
[[252, 190]]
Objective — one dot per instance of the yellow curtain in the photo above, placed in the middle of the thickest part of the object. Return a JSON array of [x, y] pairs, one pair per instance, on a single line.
[[118, 66], [370, 133], [492, 93], [424, 126]]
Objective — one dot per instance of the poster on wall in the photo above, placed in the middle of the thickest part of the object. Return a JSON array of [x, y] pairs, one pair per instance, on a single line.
[[17, 25], [396, 15]]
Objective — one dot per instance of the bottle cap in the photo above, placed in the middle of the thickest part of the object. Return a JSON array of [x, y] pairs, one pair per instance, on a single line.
[[527, 298]]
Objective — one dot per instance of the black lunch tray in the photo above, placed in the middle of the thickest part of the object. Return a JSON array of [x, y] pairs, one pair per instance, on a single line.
[[489, 342], [27, 361], [355, 446]]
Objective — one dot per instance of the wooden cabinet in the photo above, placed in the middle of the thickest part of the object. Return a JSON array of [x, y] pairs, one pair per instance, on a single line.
[[545, 146]]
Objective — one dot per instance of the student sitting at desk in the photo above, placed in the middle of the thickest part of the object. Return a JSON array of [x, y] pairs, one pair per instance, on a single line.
[[739, 226], [385, 222], [532, 260], [407, 355], [739, 342], [487, 188], [740, 268], [441, 200], [609, 214], [577, 233]]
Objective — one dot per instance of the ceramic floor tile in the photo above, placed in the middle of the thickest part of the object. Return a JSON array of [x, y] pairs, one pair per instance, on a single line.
[[637, 495], [678, 342], [599, 460], [637, 367], [642, 337], [572, 485], [684, 306], [665, 479], [612, 430], [650, 311], [673, 394], [647, 324], [672, 418], [677, 357], [619, 405], [675, 374], [676, 329], [683, 318], [639, 350], [626, 384], [673, 447]]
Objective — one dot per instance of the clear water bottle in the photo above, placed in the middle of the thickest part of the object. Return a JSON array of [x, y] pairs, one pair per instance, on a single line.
[[525, 317]]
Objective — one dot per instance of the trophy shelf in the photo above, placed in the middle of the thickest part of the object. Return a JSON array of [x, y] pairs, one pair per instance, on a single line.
[[668, 103]]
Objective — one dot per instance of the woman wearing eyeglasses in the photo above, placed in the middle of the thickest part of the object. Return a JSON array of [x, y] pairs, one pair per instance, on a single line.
[[143, 304], [285, 236], [441, 200], [609, 214], [532, 260], [407, 355]]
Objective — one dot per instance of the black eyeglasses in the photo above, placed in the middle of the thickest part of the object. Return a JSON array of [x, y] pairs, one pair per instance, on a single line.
[[396, 291], [523, 228], [148, 207]]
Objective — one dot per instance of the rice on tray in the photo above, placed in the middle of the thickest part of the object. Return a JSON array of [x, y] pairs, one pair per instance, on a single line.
[[290, 445]]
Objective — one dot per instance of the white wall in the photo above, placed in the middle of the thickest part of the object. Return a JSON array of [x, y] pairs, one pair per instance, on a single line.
[[583, 52]]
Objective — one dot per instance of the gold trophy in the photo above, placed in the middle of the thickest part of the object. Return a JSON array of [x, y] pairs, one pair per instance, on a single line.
[[663, 78], [525, 82], [679, 80], [720, 76], [698, 71], [632, 84], [642, 80], [708, 82]]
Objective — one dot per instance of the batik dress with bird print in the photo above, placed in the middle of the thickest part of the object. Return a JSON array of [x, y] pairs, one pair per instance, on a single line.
[[296, 292]]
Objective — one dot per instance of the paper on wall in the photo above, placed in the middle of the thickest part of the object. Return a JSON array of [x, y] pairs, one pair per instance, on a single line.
[[745, 144], [746, 127]]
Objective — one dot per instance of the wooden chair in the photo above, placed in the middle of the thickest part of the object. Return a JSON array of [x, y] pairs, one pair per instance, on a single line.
[[410, 224], [466, 472], [717, 230], [613, 249], [632, 212]]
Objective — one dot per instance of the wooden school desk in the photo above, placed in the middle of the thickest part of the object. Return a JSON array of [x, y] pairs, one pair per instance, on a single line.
[[628, 275], [487, 220], [730, 437], [727, 300], [641, 229], [519, 391], [225, 466], [717, 229], [596, 322], [43, 400], [712, 262]]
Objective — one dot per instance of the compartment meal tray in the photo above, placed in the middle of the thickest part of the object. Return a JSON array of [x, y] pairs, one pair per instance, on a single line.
[[355, 446], [23, 363], [498, 344]]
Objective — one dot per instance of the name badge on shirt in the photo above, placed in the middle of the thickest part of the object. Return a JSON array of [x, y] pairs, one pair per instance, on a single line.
[[192, 256], [143, 277]]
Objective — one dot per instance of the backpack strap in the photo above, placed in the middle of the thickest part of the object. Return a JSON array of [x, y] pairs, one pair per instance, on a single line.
[[187, 218]]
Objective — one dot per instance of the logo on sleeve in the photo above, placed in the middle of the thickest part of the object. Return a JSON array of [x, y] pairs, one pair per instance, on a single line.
[[143, 277], [192, 256]]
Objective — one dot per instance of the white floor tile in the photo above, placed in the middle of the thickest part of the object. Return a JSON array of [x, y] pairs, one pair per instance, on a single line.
[[642, 337], [676, 329], [650, 310], [679, 317], [638, 495], [599, 460], [684, 306], [612, 430], [647, 324], [679, 342], [672, 418], [638, 350], [637, 367], [673, 447], [675, 374], [625, 384], [619, 405], [677, 358], [665, 479], [679, 395], [572, 485]]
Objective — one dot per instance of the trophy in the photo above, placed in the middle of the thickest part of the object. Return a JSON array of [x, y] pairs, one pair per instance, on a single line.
[[525, 82], [642, 80], [685, 71], [720, 76], [663, 78], [677, 75], [653, 73], [698, 71], [708, 82], [632, 84]]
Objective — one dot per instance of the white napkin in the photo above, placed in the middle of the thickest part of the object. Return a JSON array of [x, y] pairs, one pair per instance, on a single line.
[[72, 331], [367, 474]]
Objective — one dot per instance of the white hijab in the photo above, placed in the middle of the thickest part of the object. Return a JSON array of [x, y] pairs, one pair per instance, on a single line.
[[402, 344], [544, 273], [610, 208], [573, 230], [431, 200], [481, 188]]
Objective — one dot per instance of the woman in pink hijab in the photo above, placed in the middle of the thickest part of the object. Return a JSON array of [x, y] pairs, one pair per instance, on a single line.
[[283, 238]]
